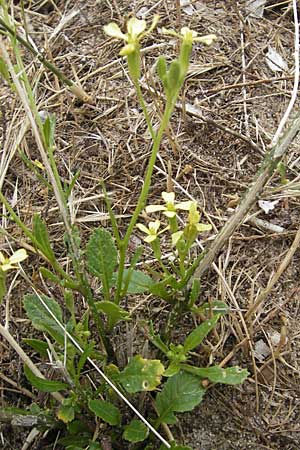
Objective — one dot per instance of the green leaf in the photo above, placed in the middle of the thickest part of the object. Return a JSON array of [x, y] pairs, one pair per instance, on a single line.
[[173, 368], [66, 413], [195, 292], [174, 75], [161, 67], [106, 411], [4, 71], [214, 307], [139, 282], [135, 431], [42, 238], [46, 273], [101, 255], [215, 374], [39, 346], [141, 374], [180, 393], [42, 384], [41, 318], [49, 130], [2, 286], [113, 312], [198, 334]]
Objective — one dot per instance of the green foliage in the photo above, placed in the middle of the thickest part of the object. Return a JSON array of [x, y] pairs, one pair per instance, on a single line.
[[101, 254], [135, 431], [2, 286], [141, 374], [106, 411], [199, 333], [38, 345], [216, 374], [113, 312], [181, 393], [41, 318], [42, 384]]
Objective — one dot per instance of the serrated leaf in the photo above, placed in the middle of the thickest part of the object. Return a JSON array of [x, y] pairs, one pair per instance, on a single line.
[[66, 413], [141, 374], [113, 312], [42, 384], [198, 334], [42, 238], [39, 346], [216, 374], [135, 431], [41, 318], [106, 411], [101, 255], [181, 393]]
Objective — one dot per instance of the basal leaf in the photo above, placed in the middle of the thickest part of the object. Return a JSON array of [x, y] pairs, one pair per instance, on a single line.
[[42, 237], [41, 318], [42, 384], [66, 413], [216, 374], [135, 431], [198, 334], [113, 312], [101, 254], [141, 374], [39, 346], [106, 411], [139, 282], [181, 393]]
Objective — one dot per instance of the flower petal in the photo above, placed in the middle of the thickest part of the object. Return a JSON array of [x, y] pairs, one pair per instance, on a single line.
[[18, 256], [176, 236], [203, 227], [135, 27], [7, 266], [142, 228], [207, 40], [113, 30], [150, 238], [154, 226], [154, 208], [169, 214], [127, 50], [184, 205], [168, 197]]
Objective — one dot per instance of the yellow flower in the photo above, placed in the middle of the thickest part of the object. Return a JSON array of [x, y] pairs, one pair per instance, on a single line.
[[190, 36], [192, 227], [152, 232], [136, 30], [13, 260], [170, 207]]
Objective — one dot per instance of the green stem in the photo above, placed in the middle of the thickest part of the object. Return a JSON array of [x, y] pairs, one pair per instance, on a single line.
[[143, 196]]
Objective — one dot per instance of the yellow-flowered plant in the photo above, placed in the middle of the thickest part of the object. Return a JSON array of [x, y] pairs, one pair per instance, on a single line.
[[136, 31], [9, 263]]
